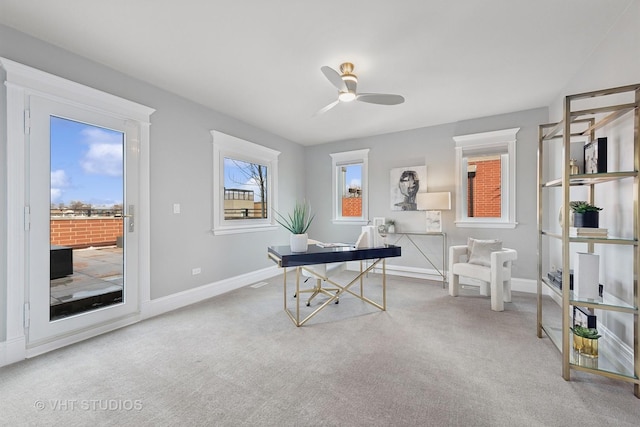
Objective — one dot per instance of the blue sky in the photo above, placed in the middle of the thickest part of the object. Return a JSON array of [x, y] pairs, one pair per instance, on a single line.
[[86, 163], [234, 177]]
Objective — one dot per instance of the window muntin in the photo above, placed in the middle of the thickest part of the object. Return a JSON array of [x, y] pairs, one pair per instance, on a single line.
[[486, 179], [245, 185], [350, 192]]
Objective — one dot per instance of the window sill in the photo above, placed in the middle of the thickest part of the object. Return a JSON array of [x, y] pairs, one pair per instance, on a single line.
[[359, 221], [485, 224], [219, 231]]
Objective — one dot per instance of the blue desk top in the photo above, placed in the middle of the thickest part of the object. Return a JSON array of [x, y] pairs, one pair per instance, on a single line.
[[317, 255]]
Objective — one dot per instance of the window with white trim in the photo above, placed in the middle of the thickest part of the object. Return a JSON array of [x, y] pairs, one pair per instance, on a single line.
[[245, 183], [349, 187], [486, 179]]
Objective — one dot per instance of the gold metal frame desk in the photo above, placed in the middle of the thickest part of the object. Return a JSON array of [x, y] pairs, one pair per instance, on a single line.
[[283, 256]]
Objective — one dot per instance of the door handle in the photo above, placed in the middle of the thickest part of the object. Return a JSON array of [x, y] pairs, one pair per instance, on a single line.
[[130, 215]]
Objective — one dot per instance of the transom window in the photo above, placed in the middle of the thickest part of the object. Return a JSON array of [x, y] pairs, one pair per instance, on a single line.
[[486, 179], [244, 182]]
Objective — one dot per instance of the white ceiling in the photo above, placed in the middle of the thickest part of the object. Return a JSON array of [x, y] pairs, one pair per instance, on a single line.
[[259, 60]]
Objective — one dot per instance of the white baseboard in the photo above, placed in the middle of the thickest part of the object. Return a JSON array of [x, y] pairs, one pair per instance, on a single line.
[[201, 293], [623, 354], [12, 351], [76, 337], [518, 285]]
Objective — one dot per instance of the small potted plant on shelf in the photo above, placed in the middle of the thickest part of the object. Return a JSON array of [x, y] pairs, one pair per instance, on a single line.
[[585, 340], [585, 214], [297, 223]]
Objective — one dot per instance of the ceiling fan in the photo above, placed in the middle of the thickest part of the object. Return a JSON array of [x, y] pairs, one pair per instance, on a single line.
[[346, 83]]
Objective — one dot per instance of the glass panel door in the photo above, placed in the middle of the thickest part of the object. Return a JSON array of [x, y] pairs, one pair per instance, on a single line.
[[82, 244]]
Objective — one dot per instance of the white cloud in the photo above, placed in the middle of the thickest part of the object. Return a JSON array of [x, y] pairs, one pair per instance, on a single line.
[[56, 193], [105, 152], [103, 159], [59, 180]]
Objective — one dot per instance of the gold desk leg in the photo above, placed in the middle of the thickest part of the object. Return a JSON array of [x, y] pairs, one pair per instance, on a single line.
[[342, 289], [361, 284], [297, 296], [285, 289], [384, 284]]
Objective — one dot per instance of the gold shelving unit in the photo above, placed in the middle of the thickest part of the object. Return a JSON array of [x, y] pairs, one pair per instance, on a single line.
[[603, 110]]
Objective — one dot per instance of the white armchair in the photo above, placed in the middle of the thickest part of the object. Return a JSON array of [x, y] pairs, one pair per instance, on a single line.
[[493, 271]]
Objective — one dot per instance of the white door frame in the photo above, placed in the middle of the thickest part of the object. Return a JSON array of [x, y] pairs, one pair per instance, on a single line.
[[21, 82]]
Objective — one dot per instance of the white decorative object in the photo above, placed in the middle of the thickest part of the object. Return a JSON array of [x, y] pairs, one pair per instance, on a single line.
[[434, 222], [586, 275], [433, 203], [299, 242], [363, 239]]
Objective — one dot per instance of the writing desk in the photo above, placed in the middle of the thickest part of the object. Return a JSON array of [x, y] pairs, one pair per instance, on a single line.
[[283, 256]]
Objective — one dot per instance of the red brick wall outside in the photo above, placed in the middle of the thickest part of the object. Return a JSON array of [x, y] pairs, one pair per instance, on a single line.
[[352, 206], [85, 232], [486, 189]]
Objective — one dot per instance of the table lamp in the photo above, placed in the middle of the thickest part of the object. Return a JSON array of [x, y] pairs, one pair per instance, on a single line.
[[433, 203]]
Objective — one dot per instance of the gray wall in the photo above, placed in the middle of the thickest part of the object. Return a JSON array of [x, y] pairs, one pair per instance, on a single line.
[[181, 172], [181, 165], [433, 146]]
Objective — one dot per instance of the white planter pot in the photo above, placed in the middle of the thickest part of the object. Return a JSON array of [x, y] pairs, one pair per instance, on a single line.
[[299, 242]]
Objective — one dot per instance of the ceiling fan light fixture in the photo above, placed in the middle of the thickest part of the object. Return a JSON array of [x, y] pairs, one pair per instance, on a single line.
[[346, 96], [350, 78]]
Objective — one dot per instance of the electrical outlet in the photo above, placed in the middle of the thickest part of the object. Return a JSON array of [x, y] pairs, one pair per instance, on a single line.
[[195, 271], [176, 208]]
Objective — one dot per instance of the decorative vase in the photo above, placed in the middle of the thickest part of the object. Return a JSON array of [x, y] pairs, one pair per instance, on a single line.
[[586, 219], [585, 346], [299, 242]]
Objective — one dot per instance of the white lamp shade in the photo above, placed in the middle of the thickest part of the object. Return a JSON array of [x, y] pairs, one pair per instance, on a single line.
[[434, 201]]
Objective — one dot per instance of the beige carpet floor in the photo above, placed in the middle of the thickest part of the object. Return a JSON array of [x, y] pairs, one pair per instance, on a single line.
[[237, 360]]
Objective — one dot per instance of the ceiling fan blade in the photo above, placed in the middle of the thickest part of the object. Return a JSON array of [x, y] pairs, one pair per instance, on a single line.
[[327, 108], [380, 98], [335, 79]]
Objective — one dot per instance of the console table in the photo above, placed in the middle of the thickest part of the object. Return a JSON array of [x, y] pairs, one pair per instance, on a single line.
[[407, 235], [283, 256]]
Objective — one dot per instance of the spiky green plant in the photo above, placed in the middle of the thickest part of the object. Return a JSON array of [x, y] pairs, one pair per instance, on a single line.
[[581, 206], [590, 333], [299, 221]]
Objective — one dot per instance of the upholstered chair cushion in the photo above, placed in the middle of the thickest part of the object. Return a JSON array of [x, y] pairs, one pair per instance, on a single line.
[[480, 251]]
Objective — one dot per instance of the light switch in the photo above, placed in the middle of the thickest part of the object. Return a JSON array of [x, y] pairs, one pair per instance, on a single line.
[[176, 208]]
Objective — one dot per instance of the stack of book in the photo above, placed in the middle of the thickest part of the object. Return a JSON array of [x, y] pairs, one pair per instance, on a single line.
[[587, 232], [556, 278]]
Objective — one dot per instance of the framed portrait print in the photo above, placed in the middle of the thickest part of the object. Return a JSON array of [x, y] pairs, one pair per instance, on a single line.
[[595, 156], [406, 182]]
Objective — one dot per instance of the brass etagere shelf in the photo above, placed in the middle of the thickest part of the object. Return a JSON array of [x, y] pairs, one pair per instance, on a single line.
[[582, 124]]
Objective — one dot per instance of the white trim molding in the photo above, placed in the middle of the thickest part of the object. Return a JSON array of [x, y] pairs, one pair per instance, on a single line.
[[500, 143], [22, 83], [342, 159], [232, 147]]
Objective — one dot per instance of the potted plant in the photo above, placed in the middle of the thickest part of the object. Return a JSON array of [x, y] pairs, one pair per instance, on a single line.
[[585, 340], [585, 214], [297, 223]]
